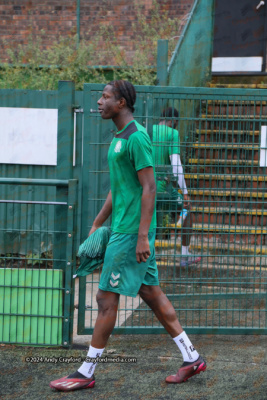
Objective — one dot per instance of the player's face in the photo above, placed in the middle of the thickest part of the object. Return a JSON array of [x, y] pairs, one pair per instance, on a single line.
[[108, 106]]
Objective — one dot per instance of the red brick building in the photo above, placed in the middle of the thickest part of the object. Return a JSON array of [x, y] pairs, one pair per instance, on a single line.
[[20, 18]]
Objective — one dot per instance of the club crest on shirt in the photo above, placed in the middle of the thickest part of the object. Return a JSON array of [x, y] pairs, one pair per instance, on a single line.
[[118, 147]]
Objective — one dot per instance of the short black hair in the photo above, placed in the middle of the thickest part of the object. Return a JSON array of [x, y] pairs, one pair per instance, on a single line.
[[125, 89], [170, 112]]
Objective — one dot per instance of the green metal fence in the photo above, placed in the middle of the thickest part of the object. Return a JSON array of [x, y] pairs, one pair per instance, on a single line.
[[69, 147], [40, 227], [220, 132], [222, 153], [36, 296]]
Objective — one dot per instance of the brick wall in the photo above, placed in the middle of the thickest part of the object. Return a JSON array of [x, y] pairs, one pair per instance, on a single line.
[[20, 18]]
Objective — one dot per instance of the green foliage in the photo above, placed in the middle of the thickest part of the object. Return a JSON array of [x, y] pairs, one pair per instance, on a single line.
[[35, 69], [30, 67], [33, 259], [165, 230]]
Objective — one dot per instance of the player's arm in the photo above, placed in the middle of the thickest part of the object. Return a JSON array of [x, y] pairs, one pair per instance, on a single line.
[[178, 172], [147, 181], [103, 215]]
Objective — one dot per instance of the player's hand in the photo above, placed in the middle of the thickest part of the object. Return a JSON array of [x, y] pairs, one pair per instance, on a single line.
[[187, 203], [142, 249], [93, 229]]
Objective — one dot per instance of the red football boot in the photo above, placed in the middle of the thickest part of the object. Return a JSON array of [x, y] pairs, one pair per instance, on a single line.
[[68, 384], [188, 370]]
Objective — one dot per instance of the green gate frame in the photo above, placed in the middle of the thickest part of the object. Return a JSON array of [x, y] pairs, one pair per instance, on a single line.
[[97, 137], [51, 185]]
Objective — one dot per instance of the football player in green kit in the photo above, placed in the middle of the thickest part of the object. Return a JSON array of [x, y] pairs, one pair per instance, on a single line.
[[129, 267], [166, 152]]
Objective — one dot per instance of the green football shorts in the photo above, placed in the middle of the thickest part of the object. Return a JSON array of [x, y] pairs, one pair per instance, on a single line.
[[121, 272]]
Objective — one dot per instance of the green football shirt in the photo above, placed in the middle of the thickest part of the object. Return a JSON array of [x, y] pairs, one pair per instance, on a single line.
[[166, 141], [129, 152]]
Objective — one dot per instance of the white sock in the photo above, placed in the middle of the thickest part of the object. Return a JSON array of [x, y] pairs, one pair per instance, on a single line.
[[185, 251], [87, 368], [188, 351]]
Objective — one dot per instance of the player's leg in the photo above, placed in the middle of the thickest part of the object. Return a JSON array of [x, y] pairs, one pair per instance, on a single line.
[[154, 297], [121, 274], [106, 319], [164, 311], [186, 232], [187, 258]]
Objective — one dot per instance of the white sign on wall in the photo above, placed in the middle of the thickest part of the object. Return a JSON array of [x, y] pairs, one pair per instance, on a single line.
[[236, 64], [263, 150], [28, 136]]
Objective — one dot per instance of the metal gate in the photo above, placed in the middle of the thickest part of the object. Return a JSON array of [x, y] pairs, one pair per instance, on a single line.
[[36, 261], [223, 150], [38, 233]]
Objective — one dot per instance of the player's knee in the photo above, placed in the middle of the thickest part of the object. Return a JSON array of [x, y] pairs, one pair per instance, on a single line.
[[148, 293], [106, 302]]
